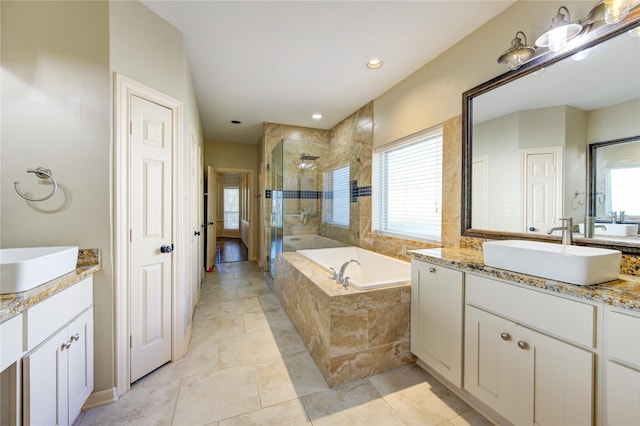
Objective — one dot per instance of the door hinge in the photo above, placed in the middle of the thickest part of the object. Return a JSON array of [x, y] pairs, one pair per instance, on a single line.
[[130, 234], [131, 127], [131, 341]]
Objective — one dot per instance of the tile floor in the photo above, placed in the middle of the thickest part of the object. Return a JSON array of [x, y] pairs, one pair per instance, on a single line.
[[246, 365]]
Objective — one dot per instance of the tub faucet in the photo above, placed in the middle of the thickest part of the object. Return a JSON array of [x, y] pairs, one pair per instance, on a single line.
[[341, 278], [567, 230]]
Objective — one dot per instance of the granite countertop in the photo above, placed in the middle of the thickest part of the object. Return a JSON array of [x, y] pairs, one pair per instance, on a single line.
[[14, 303], [623, 292]]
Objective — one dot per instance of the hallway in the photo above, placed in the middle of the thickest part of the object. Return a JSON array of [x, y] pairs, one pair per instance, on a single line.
[[247, 366]]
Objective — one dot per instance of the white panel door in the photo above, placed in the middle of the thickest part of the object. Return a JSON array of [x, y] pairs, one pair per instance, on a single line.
[[543, 190], [480, 193], [211, 218], [150, 222]]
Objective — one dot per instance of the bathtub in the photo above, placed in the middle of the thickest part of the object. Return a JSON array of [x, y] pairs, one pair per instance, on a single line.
[[309, 241], [376, 271]]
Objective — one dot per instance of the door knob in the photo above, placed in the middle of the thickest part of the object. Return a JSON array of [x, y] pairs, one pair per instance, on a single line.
[[196, 232], [505, 336], [166, 248], [523, 345], [209, 223], [532, 228]]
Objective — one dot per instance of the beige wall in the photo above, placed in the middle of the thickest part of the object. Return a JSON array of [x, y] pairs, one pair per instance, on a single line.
[[57, 64], [56, 113], [145, 48], [433, 94]]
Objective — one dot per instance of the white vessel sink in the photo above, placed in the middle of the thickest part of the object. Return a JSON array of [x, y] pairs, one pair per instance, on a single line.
[[22, 269], [617, 229], [571, 264]]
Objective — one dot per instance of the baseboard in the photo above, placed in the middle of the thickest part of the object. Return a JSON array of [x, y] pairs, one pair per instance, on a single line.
[[103, 397]]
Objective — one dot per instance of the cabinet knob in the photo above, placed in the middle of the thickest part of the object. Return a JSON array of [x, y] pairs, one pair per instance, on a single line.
[[75, 337], [505, 336], [432, 270], [65, 345], [523, 345]]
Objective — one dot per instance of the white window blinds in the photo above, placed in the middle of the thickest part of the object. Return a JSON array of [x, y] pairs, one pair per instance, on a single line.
[[336, 197], [407, 187], [231, 208]]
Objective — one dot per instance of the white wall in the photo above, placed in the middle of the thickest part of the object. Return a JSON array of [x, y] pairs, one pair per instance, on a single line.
[[56, 113]]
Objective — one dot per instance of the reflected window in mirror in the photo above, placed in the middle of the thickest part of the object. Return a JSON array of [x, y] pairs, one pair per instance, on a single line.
[[615, 180]]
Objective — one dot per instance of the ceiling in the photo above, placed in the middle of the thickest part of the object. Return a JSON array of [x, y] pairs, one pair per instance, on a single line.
[[282, 61]]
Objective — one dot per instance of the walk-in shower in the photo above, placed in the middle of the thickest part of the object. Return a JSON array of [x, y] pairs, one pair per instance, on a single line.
[[293, 196]]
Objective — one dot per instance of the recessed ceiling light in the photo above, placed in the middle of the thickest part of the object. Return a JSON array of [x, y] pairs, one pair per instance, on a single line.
[[236, 121], [374, 64], [316, 116]]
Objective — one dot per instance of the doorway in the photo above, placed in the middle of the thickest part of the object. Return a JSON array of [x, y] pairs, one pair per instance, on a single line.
[[541, 170], [147, 228], [230, 215]]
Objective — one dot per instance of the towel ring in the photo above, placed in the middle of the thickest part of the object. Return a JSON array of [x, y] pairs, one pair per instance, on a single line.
[[42, 173]]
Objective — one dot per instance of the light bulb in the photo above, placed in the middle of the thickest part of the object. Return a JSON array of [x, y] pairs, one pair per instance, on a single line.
[[615, 10], [557, 38], [514, 62]]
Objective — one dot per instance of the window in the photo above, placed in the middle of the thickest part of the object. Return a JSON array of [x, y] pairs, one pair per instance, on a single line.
[[232, 208], [335, 205], [625, 191], [407, 187]]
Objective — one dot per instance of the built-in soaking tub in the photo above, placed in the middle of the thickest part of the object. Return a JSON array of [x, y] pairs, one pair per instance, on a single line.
[[375, 270], [308, 241], [350, 333]]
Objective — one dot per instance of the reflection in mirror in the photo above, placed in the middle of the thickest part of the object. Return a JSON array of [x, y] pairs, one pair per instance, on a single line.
[[528, 139], [615, 183]]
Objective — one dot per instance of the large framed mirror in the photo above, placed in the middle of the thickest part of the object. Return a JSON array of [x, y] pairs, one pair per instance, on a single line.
[[531, 138]]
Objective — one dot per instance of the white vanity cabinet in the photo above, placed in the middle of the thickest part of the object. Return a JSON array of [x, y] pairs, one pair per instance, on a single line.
[[58, 369], [436, 318], [622, 371], [528, 355]]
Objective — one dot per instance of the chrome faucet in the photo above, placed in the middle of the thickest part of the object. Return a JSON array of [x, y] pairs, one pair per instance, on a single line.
[[341, 279], [567, 230]]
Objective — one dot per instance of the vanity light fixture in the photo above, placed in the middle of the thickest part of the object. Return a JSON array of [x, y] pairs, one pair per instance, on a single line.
[[374, 64], [615, 10], [560, 31], [518, 53]]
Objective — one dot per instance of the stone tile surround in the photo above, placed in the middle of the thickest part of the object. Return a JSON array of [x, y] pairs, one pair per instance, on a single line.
[[350, 334]]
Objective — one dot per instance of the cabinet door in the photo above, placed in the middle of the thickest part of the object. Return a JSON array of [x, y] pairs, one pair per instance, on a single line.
[[80, 356], [436, 318], [45, 383], [563, 381], [490, 361], [622, 395]]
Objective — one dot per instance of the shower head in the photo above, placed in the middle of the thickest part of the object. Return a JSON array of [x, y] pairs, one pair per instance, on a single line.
[[307, 157]]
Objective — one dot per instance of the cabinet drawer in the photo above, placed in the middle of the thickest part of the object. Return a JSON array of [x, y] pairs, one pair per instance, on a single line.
[[564, 318], [48, 316], [623, 337], [10, 341]]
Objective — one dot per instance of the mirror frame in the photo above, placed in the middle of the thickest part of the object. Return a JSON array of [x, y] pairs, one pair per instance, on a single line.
[[592, 37]]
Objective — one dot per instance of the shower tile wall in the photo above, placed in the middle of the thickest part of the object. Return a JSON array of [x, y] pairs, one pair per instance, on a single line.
[[351, 142]]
